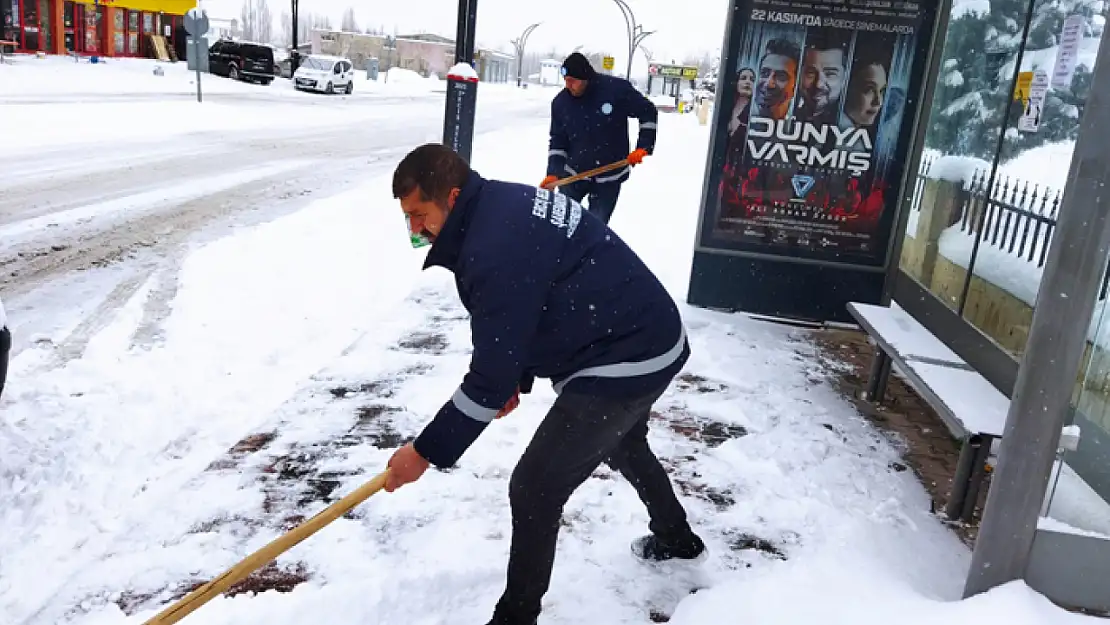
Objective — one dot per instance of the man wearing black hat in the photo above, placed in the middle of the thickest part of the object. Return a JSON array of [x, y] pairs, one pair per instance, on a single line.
[[589, 128]]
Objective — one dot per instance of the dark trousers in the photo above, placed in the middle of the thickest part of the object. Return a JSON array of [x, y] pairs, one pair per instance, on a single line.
[[603, 196], [5, 349], [578, 434]]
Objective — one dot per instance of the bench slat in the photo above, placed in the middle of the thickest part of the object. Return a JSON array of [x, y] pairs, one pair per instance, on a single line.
[[902, 332], [966, 395], [953, 388]]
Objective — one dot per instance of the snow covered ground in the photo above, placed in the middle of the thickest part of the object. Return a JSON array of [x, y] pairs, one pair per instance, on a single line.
[[273, 366]]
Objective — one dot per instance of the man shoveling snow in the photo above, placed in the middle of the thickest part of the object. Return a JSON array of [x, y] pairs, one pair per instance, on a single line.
[[552, 293]]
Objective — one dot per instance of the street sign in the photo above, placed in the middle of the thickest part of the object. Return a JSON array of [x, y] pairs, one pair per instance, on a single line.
[[1067, 53], [1021, 89], [196, 22], [608, 62], [1031, 115]]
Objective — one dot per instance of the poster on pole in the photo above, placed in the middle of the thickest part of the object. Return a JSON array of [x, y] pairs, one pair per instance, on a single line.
[[817, 107], [1067, 52], [1030, 119]]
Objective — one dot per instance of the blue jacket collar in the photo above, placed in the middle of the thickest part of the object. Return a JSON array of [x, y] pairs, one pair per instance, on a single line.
[[447, 246]]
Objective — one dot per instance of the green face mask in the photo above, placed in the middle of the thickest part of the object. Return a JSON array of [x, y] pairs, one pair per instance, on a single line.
[[417, 240]]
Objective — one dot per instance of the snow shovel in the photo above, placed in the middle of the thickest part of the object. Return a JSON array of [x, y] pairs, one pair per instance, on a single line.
[[190, 602], [586, 174]]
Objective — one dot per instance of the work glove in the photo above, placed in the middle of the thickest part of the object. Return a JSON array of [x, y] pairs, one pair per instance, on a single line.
[[548, 180], [637, 156], [510, 405]]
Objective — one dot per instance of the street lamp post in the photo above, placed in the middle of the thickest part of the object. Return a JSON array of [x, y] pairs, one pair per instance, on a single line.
[[294, 54], [636, 33], [519, 44]]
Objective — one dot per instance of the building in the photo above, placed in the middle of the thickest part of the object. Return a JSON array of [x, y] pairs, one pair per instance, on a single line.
[[549, 72], [494, 66], [98, 27], [425, 54], [223, 28]]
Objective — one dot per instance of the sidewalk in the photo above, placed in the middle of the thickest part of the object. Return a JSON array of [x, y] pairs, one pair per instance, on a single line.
[[805, 507]]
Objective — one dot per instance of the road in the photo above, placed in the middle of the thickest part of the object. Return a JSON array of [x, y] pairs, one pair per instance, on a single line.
[[141, 203]]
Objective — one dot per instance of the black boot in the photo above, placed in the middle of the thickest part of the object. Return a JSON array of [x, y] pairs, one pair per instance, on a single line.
[[651, 548]]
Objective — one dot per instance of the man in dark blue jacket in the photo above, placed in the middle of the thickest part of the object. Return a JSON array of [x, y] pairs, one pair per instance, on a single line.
[[552, 293], [589, 128]]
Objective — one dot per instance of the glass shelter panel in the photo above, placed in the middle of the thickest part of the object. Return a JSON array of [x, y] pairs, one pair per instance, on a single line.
[[1079, 491], [999, 136]]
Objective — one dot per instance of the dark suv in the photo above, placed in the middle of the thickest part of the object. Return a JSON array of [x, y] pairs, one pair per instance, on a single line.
[[242, 60]]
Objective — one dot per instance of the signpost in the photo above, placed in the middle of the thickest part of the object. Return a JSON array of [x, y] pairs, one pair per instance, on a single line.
[[196, 24], [608, 63], [462, 85], [1067, 53], [1022, 87], [1034, 104]]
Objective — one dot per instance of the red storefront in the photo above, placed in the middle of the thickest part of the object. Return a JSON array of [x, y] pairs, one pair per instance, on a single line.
[[98, 27]]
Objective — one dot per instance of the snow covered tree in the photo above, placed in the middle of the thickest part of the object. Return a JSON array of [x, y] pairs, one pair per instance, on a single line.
[[349, 23], [973, 97]]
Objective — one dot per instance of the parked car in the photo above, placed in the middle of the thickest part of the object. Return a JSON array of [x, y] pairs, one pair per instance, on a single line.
[[242, 60], [327, 74]]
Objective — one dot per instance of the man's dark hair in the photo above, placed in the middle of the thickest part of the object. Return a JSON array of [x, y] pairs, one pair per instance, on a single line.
[[822, 40], [433, 168], [782, 47]]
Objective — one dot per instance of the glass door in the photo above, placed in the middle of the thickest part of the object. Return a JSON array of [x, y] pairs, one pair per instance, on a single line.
[[133, 18], [30, 25], [70, 27]]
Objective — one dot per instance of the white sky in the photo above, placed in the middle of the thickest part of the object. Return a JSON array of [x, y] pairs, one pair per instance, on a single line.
[[682, 27]]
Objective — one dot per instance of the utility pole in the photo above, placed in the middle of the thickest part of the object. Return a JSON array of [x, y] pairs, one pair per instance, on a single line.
[[636, 33], [294, 54], [519, 44]]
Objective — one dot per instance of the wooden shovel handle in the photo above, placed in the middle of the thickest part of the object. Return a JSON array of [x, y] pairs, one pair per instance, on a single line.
[[190, 602], [587, 174]]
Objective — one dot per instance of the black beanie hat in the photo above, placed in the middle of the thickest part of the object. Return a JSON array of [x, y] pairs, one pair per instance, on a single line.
[[578, 66]]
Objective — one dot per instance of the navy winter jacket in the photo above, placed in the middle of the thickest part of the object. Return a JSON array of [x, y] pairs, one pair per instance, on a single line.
[[552, 293], [592, 130]]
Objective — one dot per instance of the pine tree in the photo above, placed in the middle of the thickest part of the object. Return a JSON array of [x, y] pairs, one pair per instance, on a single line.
[[973, 86]]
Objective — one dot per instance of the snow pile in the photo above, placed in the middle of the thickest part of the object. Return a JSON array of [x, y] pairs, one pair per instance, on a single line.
[[830, 589], [1016, 276], [1046, 166], [402, 76], [32, 77], [960, 169]]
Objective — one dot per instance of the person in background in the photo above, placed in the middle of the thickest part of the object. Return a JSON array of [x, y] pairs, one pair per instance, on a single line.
[[553, 293], [589, 128], [5, 346]]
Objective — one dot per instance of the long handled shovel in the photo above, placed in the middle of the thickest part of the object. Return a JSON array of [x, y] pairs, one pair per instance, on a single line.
[[586, 174], [190, 602]]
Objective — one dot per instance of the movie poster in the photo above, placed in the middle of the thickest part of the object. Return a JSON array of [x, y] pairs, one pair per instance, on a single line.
[[814, 127]]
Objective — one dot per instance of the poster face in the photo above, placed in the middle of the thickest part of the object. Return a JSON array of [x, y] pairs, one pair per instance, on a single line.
[[814, 119]]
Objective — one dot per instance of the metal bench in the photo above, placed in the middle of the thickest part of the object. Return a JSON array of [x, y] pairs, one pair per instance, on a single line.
[[973, 410]]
